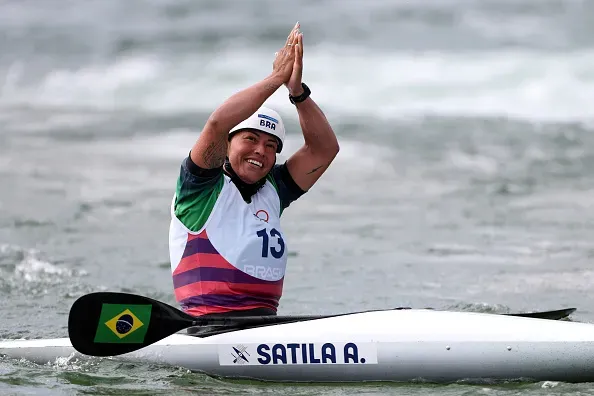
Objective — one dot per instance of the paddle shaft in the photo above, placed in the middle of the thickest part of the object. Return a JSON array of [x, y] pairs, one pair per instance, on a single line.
[[271, 320]]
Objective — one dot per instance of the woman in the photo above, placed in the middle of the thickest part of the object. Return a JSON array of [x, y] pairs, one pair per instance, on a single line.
[[228, 252]]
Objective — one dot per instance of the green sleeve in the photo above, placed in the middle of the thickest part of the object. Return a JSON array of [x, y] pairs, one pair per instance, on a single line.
[[197, 192]]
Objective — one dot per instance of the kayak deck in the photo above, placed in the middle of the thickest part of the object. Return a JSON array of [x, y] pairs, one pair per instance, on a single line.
[[408, 345]]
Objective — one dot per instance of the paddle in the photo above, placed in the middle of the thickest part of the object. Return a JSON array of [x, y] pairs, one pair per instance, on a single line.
[[110, 324], [551, 315]]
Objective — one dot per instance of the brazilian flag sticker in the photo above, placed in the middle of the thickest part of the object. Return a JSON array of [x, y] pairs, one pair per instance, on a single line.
[[122, 323]]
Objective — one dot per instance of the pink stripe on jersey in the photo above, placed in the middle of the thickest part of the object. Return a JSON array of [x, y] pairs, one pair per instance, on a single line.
[[204, 282]]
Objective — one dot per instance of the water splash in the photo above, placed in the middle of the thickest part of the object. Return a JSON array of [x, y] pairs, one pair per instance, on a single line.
[[26, 265]]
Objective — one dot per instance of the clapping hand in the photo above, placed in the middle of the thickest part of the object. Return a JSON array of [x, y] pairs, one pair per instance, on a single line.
[[294, 82], [284, 59]]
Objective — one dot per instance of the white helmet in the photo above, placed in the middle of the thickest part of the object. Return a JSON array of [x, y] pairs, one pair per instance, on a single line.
[[265, 120]]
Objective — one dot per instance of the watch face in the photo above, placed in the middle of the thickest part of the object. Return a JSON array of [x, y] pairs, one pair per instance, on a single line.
[[302, 97]]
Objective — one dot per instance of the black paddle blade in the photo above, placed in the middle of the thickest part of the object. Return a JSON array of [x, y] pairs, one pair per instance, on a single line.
[[110, 324], [551, 315]]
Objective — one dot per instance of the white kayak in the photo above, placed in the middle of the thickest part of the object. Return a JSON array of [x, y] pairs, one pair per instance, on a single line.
[[391, 345]]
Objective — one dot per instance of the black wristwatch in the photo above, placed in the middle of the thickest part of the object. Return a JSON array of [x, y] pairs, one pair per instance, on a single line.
[[302, 97]]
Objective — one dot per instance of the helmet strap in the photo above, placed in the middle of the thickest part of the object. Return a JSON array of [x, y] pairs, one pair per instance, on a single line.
[[246, 190]]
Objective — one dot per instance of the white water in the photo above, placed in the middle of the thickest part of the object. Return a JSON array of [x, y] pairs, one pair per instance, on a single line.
[[538, 86]]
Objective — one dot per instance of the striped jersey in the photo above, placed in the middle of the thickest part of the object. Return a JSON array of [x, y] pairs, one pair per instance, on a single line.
[[227, 254]]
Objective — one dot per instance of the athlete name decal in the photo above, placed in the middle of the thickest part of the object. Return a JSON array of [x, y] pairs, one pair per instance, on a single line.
[[298, 353]]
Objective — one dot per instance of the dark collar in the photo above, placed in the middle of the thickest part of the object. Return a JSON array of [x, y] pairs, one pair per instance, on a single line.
[[246, 190]]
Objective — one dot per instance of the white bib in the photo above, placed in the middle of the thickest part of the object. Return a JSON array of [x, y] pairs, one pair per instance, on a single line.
[[248, 236]]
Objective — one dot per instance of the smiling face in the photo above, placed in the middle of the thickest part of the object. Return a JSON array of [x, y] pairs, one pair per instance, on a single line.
[[252, 154]]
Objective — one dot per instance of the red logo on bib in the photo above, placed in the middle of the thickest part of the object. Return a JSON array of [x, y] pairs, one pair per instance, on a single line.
[[262, 215]]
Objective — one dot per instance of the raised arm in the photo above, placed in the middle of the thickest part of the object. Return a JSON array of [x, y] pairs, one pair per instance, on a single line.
[[321, 146], [210, 149]]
